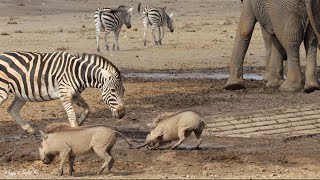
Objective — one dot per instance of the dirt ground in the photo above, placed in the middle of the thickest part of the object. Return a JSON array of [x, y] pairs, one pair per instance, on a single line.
[[202, 43]]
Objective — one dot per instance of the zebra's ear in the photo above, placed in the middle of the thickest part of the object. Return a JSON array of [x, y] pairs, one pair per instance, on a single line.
[[130, 10], [106, 74], [171, 15]]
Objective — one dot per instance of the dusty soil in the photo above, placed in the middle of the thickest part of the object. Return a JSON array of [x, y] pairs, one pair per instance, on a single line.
[[202, 42]]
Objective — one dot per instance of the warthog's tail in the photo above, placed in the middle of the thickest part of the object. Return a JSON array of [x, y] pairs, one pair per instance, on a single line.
[[143, 145], [130, 145], [205, 125]]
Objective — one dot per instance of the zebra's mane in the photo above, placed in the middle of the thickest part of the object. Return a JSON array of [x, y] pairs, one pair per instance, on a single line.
[[109, 63]]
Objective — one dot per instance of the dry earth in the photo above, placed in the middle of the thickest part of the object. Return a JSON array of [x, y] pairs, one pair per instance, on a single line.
[[202, 43]]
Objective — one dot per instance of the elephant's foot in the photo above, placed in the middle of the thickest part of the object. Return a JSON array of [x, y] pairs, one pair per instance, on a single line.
[[274, 83], [288, 86], [28, 129], [311, 86], [234, 85]]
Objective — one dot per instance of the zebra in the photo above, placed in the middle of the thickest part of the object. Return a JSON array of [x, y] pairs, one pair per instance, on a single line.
[[156, 17], [107, 20], [37, 77]]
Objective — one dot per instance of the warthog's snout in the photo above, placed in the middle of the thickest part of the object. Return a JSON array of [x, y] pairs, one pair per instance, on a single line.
[[48, 159], [129, 26], [172, 30], [119, 111]]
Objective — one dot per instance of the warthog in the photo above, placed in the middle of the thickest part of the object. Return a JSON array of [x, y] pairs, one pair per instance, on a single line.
[[69, 142], [175, 126]]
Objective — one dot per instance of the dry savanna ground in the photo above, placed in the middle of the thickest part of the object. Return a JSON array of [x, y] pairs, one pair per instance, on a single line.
[[201, 43]]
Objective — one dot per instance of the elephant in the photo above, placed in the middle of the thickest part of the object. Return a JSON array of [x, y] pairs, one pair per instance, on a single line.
[[286, 24]]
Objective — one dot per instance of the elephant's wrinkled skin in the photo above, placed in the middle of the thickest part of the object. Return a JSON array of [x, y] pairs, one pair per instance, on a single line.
[[286, 23]]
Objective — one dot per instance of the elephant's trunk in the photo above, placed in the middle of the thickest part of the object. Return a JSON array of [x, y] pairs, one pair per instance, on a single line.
[[311, 19]]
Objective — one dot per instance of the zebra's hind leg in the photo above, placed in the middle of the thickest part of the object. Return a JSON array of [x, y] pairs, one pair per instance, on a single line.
[[154, 36], [162, 34], [159, 33], [97, 38], [145, 24], [106, 40], [14, 111], [86, 109]]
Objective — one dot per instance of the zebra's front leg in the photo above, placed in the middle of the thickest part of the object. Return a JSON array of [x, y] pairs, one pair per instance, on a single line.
[[116, 42], [86, 109], [106, 40], [14, 111], [154, 36], [67, 105]]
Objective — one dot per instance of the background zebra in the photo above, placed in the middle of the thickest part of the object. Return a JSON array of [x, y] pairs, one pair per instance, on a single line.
[[156, 17], [37, 77], [107, 20]]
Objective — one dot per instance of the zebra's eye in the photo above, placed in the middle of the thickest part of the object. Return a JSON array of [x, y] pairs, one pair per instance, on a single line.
[[113, 90]]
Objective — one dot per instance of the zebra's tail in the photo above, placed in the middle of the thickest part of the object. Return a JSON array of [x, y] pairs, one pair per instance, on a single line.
[[139, 6]]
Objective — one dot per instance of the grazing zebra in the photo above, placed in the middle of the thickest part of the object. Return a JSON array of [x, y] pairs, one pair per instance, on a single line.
[[36, 77], [107, 20], [156, 17]]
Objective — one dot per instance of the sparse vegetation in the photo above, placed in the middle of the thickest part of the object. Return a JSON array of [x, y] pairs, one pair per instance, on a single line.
[[4, 34], [17, 31], [62, 48]]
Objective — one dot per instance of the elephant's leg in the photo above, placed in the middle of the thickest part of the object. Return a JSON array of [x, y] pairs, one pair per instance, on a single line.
[[293, 83], [275, 72], [310, 43], [242, 40], [291, 41], [268, 44]]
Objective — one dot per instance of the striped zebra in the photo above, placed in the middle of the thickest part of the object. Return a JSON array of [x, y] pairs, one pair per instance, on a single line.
[[37, 77], [107, 20], [156, 17]]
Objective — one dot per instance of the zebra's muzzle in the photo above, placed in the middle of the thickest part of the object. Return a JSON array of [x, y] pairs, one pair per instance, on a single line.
[[119, 111]]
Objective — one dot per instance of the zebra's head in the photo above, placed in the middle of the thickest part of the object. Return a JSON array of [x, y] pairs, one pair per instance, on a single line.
[[112, 92], [126, 15], [170, 22]]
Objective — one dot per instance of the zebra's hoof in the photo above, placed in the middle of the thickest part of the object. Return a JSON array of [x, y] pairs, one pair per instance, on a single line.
[[28, 129], [156, 43]]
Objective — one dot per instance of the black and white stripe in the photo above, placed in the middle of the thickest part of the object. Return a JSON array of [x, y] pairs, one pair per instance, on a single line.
[[156, 17], [107, 20], [37, 77]]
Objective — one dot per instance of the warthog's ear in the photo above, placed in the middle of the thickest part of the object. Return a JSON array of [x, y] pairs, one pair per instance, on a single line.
[[130, 10], [171, 15], [151, 125], [43, 135]]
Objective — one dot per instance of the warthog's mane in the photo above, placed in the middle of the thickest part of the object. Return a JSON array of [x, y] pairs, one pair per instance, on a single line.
[[164, 116], [59, 127]]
